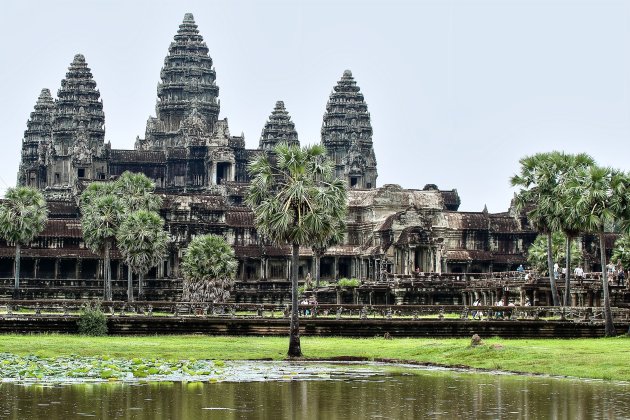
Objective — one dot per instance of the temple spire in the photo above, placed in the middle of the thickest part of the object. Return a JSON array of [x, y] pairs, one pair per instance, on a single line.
[[35, 142], [278, 128], [347, 134], [187, 82]]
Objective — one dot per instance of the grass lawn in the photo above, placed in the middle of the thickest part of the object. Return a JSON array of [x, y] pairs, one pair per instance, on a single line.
[[605, 358]]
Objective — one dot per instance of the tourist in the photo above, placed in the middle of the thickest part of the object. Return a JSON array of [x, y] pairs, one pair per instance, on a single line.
[[520, 268], [477, 314], [620, 274], [527, 302], [308, 281], [556, 271]]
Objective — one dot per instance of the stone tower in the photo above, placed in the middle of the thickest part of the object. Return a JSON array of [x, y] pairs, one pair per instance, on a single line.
[[187, 85], [279, 128], [71, 145], [37, 138], [347, 134]]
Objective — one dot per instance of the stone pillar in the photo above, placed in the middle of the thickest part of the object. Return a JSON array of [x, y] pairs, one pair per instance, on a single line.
[[36, 268], [79, 269], [336, 268], [56, 268]]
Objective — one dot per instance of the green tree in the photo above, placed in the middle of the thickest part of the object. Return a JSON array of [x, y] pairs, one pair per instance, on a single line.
[[537, 252], [105, 205], [621, 251], [568, 221], [602, 195], [542, 180], [101, 214], [137, 192], [142, 241], [209, 268], [23, 216], [296, 200]]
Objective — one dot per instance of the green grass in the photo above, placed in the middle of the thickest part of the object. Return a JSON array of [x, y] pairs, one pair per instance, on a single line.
[[607, 358]]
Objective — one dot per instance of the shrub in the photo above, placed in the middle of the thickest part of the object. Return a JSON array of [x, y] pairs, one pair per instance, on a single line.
[[348, 282], [92, 321]]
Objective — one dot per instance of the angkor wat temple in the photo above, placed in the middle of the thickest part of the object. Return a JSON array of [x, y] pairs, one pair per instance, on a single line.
[[200, 170]]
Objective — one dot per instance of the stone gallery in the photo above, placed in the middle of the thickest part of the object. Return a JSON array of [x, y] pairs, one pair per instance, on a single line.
[[200, 169]]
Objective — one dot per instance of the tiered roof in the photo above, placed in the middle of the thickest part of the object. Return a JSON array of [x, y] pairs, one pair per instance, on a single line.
[[39, 125], [346, 116], [79, 105], [188, 79], [279, 128]]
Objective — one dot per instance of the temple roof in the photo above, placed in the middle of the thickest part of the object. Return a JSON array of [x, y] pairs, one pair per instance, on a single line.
[[278, 128], [346, 116], [78, 102], [187, 79]]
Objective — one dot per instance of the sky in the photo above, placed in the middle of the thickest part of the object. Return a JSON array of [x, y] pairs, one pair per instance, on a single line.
[[458, 90]]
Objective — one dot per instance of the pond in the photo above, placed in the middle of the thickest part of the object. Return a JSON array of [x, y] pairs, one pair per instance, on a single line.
[[275, 390]]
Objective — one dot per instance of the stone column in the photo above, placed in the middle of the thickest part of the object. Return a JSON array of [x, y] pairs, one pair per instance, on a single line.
[[56, 268], [36, 268], [336, 269]]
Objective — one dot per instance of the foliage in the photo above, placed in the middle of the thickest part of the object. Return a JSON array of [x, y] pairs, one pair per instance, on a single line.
[[105, 206], [209, 268], [142, 241], [590, 358], [92, 321], [621, 251], [23, 215], [601, 196], [544, 196], [537, 253], [344, 282], [296, 200]]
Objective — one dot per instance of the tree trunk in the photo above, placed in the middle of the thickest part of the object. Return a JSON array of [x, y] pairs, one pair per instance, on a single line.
[[552, 279], [107, 272], [567, 278], [140, 288], [609, 330], [129, 284], [16, 292], [294, 329], [317, 269]]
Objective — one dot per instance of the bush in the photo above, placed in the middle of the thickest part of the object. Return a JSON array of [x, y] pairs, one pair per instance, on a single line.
[[92, 321], [348, 282]]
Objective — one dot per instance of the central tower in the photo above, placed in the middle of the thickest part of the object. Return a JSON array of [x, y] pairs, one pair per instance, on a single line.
[[187, 85]]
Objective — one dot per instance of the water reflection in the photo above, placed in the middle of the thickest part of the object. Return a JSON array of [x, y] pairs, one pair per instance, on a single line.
[[423, 394]]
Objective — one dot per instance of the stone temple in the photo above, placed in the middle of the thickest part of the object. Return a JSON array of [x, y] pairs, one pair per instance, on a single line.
[[200, 170]]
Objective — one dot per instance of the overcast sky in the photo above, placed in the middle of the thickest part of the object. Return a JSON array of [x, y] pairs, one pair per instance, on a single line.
[[458, 91]]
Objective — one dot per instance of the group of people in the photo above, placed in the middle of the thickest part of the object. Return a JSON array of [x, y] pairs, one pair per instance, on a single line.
[[312, 301], [616, 272], [479, 314]]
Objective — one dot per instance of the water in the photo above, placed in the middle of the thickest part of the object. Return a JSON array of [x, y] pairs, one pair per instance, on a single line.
[[309, 391]]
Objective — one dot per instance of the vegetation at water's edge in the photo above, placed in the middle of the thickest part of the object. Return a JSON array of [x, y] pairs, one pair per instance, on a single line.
[[586, 358]]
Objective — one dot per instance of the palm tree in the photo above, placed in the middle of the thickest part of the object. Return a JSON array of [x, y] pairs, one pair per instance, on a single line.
[[602, 195], [101, 213], [568, 222], [537, 252], [297, 201], [23, 215], [209, 268], [136, 192], [142, 242], [542, 179]]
